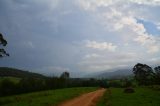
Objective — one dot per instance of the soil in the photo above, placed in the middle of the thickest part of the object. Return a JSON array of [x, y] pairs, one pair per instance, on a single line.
[[88, 99]]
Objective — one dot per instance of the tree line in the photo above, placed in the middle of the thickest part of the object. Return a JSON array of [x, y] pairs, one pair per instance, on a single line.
[[143, 74], [31, 84]]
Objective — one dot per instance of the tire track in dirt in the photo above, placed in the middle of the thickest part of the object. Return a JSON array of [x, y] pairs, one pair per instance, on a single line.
[[89, 99]]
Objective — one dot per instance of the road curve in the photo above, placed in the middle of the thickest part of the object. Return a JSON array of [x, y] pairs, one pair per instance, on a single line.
[[88, 99]]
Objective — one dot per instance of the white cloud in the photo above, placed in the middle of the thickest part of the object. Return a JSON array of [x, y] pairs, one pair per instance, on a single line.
[[146, 2], [92, 5], [145, 39], [102, 61], [92, 56], [137, 31], [121, 18], [101, 45], [153, 49], [149, 42], [126, 44], [114, 19]]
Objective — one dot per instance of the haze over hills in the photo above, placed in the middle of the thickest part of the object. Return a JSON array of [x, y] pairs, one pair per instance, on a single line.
[[118, 73], [109, 74]]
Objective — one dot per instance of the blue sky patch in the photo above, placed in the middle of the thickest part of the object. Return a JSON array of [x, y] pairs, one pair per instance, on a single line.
[[150, 27]]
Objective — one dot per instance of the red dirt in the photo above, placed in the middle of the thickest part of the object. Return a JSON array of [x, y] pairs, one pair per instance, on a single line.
[[89, 99]]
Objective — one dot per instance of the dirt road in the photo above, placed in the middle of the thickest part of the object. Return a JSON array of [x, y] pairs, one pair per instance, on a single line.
[[89, 99]]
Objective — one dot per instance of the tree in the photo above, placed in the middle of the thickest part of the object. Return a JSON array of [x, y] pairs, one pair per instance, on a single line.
[[157, 74], [157, 70], [65, 75], [3, 43], [143, 74]]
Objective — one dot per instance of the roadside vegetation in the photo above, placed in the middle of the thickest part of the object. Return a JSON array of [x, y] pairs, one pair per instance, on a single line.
[[143, 89], [143, 96], [19, 85]]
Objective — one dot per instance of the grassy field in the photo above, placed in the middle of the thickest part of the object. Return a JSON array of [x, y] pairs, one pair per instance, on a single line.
[[141, 97], [44, 98]]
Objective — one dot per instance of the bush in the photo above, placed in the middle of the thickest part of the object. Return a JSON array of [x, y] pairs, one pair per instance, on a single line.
[[129, 90]]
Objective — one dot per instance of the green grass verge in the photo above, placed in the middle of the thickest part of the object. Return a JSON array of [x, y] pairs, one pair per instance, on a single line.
[[141, 97], [105, 99], [44, 98]]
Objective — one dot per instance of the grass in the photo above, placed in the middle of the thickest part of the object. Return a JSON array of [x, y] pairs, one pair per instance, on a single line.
[[141, 97], [105, 99], [44, 98]]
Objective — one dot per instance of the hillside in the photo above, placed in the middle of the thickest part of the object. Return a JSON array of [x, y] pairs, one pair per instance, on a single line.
[[119, 73], [12, 72]]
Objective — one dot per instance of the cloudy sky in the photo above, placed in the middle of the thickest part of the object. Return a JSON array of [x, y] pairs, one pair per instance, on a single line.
[[80, 36]]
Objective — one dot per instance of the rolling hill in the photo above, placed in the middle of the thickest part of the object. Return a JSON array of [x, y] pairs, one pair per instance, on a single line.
[[13, 72], [119, 73]]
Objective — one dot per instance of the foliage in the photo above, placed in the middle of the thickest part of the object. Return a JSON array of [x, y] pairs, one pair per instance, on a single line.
[[104, 84], [3, 42], [38, 83], [129, 90], [65, 75], [143, 74], [7, 87], [157, 75], [30, 84], [115, 83]]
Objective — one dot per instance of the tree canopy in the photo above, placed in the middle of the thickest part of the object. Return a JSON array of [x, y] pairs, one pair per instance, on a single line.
[[65, 75], [3, 43], [157, 74], [143, 74]]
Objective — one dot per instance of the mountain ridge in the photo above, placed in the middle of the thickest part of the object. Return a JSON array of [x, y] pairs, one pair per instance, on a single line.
[[7, 71], [116, 73]]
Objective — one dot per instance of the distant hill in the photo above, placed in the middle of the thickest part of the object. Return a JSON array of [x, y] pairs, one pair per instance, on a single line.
[[12, 72], [119, 73]]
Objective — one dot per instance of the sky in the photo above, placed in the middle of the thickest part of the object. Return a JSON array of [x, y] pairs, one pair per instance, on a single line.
[[80, 36]]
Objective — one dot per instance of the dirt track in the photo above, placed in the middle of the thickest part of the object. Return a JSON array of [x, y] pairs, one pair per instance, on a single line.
[[89, 99]]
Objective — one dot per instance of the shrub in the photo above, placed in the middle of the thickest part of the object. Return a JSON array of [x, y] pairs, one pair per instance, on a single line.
[[129, 90]]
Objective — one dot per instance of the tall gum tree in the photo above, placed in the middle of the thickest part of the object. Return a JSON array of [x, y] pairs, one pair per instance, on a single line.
[[3, 43]]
